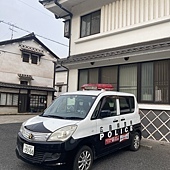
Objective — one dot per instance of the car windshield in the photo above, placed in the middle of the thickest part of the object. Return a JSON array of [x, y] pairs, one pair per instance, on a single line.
[[70, 107]]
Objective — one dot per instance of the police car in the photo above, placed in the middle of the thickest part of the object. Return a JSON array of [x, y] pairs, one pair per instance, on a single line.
[[80, 127]]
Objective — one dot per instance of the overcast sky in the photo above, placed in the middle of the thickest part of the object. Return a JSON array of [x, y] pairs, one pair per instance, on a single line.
[[31, 16]]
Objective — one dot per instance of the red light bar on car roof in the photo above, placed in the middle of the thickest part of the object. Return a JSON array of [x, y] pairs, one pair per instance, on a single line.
[[97, 87]]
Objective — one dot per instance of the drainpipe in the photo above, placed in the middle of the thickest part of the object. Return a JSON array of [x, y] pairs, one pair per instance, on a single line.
[[54, 78], [70, 15]]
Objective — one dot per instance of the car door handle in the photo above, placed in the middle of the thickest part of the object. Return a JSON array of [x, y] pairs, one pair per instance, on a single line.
[[123, 119], [115, 121]]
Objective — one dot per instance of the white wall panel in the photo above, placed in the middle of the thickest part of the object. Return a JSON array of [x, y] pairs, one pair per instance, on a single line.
[[129, 12], [73, 79], [118, 17]]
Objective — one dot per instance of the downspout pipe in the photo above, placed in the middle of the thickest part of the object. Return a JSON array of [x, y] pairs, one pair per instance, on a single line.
[[54, 78], [70, 15]]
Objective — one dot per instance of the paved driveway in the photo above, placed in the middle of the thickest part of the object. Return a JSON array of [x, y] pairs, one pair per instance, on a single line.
[[151, 156]]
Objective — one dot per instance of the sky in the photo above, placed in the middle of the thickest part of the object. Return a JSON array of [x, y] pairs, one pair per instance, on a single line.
[[29, 16]]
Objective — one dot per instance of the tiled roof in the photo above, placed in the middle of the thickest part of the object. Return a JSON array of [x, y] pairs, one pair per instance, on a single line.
[[21, 86], [118, 51]]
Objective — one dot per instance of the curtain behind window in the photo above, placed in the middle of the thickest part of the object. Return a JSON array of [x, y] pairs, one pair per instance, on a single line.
[[2, 99], [109, 75], [83, 78], [128, 79], [147, 82], [93, 75], [161, 81]]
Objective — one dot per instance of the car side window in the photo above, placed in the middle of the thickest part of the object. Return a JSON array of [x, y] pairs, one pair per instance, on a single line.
[[109, 106], [106, 104], [127, 104]]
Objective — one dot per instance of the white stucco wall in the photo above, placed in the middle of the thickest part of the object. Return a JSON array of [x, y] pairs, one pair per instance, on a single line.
[[8, 110], [122, 23], [11, 65], [73, 79]]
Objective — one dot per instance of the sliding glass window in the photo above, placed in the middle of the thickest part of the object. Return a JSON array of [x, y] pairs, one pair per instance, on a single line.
[[128, 78], [147, 81], [109, 75], [161, 81]]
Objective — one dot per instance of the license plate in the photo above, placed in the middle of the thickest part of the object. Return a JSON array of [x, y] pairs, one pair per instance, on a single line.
[[28, 149]]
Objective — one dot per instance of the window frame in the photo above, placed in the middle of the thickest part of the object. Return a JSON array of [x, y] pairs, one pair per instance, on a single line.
[[34, 56], [38, 103], [23, 53], [31, 56], [6, 99], [90, 15], [131, 105], [139, 80], [24, 82]]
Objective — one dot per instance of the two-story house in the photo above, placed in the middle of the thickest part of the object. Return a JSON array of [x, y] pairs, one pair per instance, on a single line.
[[125, 43], [27, 75]]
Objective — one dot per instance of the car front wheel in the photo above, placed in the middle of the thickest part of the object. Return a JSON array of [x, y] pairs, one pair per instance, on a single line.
[[83, 159]]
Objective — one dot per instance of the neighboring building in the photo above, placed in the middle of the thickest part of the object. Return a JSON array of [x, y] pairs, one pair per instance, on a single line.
[[27, 70], [60, 80], [125, 43]]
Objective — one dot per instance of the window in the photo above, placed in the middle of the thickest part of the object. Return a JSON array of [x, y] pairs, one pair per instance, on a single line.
[[128, 79], [34, 59], [93, 75], [24, 82], [108, 106], [147, 81], [90, 24], [38, 103], [26, 57], [161, 81], [155, 81], [83, 78], [8, 99], [109, 75], [88, 76], [30, 58], [3, 99], [127, 105], [71, 106]]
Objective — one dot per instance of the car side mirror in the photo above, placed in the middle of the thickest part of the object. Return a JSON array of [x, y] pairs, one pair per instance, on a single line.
[[104, 113]]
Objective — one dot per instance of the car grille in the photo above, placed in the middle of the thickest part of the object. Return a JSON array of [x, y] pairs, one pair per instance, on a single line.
[[37, 136], [38, 155]]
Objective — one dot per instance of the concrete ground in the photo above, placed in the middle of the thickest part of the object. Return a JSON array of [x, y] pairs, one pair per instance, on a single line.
[[6, 119], [19, 118]]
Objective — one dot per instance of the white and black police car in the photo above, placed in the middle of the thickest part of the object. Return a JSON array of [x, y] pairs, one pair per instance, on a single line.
[[79, 127]]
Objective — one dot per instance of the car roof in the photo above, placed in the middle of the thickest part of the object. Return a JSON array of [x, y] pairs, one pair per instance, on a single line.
[[97, 92]]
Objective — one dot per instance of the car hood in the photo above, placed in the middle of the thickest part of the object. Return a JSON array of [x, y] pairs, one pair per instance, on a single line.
[[47, 125]]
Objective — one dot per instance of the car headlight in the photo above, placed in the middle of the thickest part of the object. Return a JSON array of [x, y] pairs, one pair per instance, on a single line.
[[62, 134], [22, 129]]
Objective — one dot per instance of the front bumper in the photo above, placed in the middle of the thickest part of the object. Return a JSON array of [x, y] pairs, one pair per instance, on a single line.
[[45, 153]]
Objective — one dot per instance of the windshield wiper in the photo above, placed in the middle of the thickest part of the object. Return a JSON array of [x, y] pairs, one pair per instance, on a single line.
[[74, 118], [54, 116]]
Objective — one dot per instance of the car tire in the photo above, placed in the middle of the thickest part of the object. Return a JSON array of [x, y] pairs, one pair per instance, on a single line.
[[83, 159], [135, 142]]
